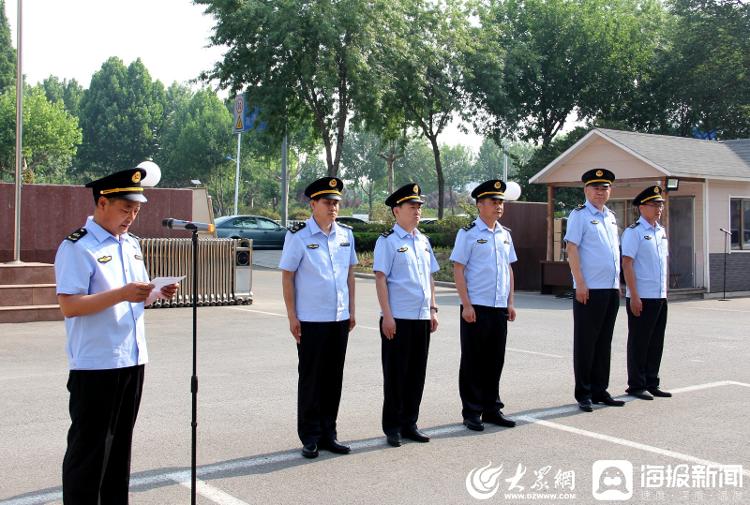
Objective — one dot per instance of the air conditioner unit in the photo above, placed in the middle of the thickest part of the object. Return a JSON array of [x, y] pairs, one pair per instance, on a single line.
[[243, 271]]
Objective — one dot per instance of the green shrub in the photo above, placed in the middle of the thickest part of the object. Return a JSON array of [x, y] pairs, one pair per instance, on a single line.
[[299, 213], [266, 212]]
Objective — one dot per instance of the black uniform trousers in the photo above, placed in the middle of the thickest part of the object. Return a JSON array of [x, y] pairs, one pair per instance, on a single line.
[[404, 360], [593, 324], [646, 343], [321, 353], [103, 409], [482, 359]]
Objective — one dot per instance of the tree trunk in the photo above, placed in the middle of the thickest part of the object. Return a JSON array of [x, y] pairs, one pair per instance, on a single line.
[[389, 164], [439, 172], [369, 200]]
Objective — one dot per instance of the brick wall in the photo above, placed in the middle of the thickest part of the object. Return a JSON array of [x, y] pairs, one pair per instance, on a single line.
[[738, 272], [50, 212]]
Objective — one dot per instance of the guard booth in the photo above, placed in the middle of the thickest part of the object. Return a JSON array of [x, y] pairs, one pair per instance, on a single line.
[[707, 208]]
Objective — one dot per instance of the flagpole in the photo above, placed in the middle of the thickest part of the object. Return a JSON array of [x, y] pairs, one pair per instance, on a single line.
[[19, 137]]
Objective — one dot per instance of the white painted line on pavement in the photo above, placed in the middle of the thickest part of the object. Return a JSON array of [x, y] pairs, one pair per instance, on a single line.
[[514, 349], [549, 355], [258, 311], [627, 443], [717, 309], [214, 494], [222, 498], [537, 419]]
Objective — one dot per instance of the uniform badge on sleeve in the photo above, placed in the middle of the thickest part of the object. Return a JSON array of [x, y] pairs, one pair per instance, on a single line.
[[403, 249], [104, 259]]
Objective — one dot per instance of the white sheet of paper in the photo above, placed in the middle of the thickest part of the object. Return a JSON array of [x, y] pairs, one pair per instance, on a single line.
[[160, 282]]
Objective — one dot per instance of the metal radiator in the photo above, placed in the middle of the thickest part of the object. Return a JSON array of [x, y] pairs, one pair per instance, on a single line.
[[223, 268]]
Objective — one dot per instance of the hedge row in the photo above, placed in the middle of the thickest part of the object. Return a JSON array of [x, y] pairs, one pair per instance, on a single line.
[[365, 240]]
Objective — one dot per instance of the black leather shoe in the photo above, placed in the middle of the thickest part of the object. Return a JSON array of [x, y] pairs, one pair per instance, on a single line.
[[474, 424], [585, 405], [394, 440], [415, 434], [334, 446], [499, 419], [643, 395], [609, 401], [310, 451], [658, 392]]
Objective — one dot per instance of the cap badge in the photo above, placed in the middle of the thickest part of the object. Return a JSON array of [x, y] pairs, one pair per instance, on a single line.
[[497, 185], [332, 183], [656, 189], [599, 173], [415, 189], [136, 177]]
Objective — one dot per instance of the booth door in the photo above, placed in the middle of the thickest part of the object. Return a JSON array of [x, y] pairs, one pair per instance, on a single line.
[[681, 242]]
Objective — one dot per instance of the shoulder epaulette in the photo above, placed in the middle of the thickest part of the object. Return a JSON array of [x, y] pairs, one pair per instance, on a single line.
[[134, 235], [506, 228], [612, 212], [297, 227], [76, 235], [469, 226], [581, 206], [634, 225], [388, 233], [343, 225]]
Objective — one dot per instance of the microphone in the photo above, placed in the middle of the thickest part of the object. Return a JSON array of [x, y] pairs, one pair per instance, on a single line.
[[725, 231], [178, 224]]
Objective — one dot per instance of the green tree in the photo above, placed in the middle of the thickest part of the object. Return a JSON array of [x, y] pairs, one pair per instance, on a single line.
[[364, 166], [50, 137], [566, 198], [69, 92], [428, 71], [701, 74], [196, 139], [458, 163], [418, 166], [122, 115], [7, 53], [560, 57], [304, 62]]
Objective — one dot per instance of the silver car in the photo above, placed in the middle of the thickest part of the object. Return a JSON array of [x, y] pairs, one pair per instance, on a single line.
[[264, 232]]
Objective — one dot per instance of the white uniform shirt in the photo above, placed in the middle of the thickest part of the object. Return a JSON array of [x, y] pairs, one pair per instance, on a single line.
[[322, 266], [96, 262]]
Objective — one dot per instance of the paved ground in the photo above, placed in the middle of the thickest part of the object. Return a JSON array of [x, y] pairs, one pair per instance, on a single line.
[[248, 450]]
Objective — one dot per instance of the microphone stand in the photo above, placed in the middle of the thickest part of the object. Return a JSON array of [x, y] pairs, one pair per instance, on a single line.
[[726, 254], [194, 378]]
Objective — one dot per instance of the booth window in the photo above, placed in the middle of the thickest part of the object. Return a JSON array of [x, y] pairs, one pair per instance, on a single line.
[[740, 223]]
